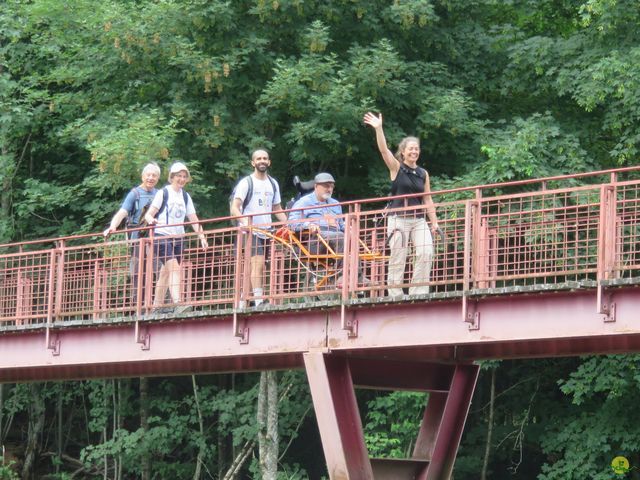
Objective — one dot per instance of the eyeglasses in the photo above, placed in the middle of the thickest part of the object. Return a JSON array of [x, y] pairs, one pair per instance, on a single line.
[[326, 185]]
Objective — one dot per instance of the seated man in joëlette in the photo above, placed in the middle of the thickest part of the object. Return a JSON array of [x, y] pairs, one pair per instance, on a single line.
[[320, 214]]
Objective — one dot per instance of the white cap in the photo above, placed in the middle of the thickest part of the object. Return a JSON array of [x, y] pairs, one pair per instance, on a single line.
[[178, 167]]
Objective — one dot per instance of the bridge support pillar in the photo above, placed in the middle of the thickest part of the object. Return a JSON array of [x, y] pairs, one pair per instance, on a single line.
[[334, 401], [332, 380]]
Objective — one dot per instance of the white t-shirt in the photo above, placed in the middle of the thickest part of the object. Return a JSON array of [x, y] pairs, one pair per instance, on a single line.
[[262, 200], [175, 212]]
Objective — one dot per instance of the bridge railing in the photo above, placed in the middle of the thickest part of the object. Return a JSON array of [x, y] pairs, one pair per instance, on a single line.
[[538, 236]]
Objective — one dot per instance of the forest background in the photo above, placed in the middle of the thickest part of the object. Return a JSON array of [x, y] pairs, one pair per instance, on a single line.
[[496, 89]]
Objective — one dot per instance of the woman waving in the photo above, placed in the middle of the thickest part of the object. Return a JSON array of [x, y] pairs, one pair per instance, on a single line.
[[409, 224]]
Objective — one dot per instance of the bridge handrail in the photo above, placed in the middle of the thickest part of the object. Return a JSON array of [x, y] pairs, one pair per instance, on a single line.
[[583, 233], [613, 172]]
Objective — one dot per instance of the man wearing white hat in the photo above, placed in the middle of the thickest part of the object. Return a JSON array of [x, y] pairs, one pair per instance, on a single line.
[[169, 209]]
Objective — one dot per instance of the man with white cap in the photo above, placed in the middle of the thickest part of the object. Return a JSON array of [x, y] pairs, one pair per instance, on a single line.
[[168, 210]]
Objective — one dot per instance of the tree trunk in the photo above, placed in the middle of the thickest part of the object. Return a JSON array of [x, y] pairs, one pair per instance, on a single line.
[[1, 414], [224, 439], [201, 450], [144, 424], [59, 427], [268, 425], [487, 448], [123, 389], [36, 425]]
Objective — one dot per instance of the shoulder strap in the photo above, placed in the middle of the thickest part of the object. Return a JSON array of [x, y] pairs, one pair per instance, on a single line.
[[165, 199], [136, 203], [247, 199], [273, 185]]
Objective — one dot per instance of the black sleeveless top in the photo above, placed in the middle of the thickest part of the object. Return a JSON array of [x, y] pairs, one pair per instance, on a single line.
[[408, 180]]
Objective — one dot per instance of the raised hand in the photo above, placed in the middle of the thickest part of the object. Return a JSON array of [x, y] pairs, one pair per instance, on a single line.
[[373, 121]]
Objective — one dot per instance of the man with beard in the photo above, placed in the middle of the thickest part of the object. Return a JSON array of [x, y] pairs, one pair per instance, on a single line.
[[258, 196]]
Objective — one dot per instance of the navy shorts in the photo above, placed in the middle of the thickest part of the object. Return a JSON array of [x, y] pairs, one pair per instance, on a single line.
[[168, 248], [258, 245]]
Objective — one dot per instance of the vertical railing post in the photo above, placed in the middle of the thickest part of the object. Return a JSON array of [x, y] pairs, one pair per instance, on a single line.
[[148, 258], [469, 208], [346, 286], [59, 281], [51, 285], [237, 274], [480, 258], [20, 292], [98, 286], [606, 243], [242, 277], [275, 271], [245, 278], [352, 248], [143, 266]]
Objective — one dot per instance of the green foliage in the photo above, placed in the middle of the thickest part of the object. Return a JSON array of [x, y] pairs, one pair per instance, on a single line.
[[603, 392], [7, 471], [392, 423]]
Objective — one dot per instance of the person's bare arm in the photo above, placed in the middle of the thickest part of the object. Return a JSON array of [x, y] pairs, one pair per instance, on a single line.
[[392, 162]]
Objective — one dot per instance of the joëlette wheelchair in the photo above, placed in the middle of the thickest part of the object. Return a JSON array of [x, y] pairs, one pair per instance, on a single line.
[[319, 269]]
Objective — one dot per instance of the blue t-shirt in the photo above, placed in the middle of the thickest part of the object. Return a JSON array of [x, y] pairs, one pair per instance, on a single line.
[[129, 204], [316, 211]]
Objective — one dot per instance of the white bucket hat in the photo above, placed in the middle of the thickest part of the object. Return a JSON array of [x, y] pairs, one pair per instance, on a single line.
[[178, 167]]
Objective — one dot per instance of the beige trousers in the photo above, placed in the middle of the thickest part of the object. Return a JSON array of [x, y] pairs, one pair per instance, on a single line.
[[401, 230]]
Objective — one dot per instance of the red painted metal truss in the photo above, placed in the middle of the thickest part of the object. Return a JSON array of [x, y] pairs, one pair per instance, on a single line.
[[534, 324]]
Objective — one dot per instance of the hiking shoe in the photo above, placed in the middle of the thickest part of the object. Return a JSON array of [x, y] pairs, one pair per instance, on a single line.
[[180, 309], [163, 310], [264, 304]]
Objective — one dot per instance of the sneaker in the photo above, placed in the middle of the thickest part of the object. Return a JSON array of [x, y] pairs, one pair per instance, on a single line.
[[180, 309], [264, 304], [163, 310]]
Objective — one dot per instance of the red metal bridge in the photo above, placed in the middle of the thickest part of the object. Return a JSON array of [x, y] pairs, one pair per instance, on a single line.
[[535, 268]]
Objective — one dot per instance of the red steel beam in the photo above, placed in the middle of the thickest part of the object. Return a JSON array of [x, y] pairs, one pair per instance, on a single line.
[[452, 422], [334, 401], [519, 326]]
